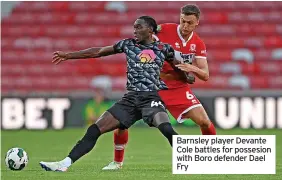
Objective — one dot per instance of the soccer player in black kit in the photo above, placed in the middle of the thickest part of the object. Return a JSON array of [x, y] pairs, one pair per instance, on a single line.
[[145, 58]]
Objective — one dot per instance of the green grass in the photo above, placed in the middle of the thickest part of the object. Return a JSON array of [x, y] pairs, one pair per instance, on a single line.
[[148, 155]]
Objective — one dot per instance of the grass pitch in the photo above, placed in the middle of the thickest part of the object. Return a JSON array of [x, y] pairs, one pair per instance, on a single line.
[[148, 155]]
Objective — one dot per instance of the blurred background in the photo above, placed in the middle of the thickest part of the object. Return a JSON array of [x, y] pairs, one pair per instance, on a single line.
[[244, 45]]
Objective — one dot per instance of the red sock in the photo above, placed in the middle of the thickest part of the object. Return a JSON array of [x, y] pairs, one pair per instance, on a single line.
[[120, 140], [209, 131]]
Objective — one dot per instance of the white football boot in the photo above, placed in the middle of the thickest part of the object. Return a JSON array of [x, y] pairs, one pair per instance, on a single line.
[[113, 166], [53, 166]]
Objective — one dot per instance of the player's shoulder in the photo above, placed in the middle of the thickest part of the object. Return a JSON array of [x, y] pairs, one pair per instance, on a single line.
[[164, 46], [167, 26], [197, 38], [127, 41]]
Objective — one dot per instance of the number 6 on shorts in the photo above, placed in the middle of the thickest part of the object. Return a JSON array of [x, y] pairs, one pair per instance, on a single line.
[[189, 96]]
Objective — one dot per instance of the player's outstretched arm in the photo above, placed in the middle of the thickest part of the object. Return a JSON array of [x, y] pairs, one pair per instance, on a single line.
[[200, 69], [93, 52]]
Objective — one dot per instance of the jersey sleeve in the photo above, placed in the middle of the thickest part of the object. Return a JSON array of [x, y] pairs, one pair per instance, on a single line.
[[119, 46], [201, 51]]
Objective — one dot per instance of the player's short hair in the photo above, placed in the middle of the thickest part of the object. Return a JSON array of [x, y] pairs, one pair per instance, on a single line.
[[191, 9], [151, 22]]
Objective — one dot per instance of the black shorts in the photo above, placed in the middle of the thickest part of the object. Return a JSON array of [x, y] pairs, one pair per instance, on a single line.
[[137, 105]]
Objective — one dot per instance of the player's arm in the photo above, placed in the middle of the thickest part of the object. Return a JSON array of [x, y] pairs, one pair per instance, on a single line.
[[200, 69], [93, 52]]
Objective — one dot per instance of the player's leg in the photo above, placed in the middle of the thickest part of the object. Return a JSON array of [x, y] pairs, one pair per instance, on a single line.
[[120, 141], [121, 134], [200, 117], [183, 104], [154, 114], [106, 122], [162, 122]]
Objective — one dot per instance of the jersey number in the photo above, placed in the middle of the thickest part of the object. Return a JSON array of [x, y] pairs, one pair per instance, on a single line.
[[189, 96]]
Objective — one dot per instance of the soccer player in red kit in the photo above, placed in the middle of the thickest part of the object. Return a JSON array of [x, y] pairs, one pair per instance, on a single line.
[[181, 102]]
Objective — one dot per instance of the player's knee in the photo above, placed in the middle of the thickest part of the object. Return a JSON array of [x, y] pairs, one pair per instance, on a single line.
[[200, 118], [160, 118], [93, 132], [204, 122], [107, 122]]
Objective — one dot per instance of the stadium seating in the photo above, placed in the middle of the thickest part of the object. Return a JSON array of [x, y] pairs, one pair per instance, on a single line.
[[243, 39]]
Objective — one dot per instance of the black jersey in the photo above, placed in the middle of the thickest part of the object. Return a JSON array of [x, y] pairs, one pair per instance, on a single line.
[[144, 63]]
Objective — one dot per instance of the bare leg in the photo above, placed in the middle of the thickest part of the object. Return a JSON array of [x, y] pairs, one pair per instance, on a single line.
[[106, 122], [200, 117]]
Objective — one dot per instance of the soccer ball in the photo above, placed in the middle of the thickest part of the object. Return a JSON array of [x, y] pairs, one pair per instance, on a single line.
[[16, 159]]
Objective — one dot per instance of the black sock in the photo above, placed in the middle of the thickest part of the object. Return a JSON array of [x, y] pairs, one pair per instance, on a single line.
[[86, 144], [167, 130]]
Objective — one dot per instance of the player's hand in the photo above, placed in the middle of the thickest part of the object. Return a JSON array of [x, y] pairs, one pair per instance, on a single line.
[[186, 67], [59, 57], [190, 78]]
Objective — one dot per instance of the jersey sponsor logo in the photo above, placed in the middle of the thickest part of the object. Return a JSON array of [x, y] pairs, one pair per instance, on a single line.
[[186, 58], [148, 65], [147, 56]]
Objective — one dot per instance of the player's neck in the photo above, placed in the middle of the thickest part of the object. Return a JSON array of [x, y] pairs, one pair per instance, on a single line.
[[186, 37], [147, 41]]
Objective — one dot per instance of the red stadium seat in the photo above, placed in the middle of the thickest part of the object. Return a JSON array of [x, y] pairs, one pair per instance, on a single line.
[[264, 82], [34, 30]]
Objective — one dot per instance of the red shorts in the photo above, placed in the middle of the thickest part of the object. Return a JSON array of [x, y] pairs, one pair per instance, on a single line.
[[179, 101]]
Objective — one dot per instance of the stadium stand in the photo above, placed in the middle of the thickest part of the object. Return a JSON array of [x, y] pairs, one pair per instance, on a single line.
[[243, 39]]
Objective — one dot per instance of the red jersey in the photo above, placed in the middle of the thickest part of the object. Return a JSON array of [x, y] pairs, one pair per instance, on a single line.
[[185, 51]]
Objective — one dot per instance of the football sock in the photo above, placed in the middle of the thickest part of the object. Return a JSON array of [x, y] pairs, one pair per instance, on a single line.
[[86, 144], [120, 141], [209, 131], [167, 130]]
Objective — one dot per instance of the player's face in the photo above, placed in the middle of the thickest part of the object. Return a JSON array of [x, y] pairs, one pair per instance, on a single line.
[[141, 30], [188, 23]]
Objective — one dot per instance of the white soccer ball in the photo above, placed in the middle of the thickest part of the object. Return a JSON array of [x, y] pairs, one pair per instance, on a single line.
[[16, 159]]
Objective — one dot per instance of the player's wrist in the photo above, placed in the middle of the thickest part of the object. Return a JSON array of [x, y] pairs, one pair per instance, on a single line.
[[193, 69], [201, 74], [68, 56]]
